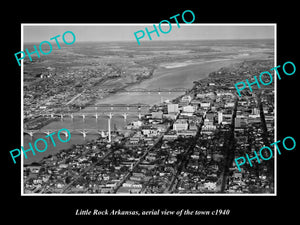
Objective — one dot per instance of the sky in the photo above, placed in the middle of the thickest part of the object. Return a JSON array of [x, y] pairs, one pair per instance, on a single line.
[[125, 32]]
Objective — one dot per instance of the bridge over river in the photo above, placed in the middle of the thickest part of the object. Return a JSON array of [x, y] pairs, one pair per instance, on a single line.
[[101, 111], [85, 114], [84, 132], [104, 110]]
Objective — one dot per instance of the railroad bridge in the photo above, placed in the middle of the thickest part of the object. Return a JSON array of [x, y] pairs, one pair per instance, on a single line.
[[96, 115]]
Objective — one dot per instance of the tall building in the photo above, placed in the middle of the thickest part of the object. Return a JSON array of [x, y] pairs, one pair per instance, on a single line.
[[209, 120], [220, 117], [180, 124], [237, 122], [173, 108], [109, 131], [255, 111], [240, 122]]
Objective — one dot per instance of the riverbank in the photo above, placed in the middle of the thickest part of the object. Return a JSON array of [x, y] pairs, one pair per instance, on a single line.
[[179, 77], [37, 123]]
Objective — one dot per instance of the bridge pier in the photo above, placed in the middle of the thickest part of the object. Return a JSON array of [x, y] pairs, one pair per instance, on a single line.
[[101, 133], [31, 134], [96, 115], [125, 116], [61, 116], [110, 115], [72, 116], [83, 117], [140, 116], [47, 132], [84, 132], [65, 133]]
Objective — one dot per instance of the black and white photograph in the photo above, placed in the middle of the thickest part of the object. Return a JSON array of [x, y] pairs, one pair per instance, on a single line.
[[158, 117]]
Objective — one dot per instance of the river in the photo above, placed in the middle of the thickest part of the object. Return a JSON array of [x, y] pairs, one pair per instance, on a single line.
[[168, 76]]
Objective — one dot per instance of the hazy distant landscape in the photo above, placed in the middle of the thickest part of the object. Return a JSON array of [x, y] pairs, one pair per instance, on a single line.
[[99, 68]]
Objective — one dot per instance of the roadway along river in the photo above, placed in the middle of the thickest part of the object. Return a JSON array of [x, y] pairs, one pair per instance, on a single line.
[[168, 77]]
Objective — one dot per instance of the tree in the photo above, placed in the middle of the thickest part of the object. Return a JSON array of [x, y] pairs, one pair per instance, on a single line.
[[68, 179], [27, 172], [123, 169], [94, 159]]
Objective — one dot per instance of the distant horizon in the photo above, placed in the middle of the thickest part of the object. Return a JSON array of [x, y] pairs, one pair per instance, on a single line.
[[147, 42], [35, 33]]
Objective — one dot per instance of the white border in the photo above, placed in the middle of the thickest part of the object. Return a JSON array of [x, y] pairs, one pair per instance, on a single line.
[[147, 24], [275, 115]]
